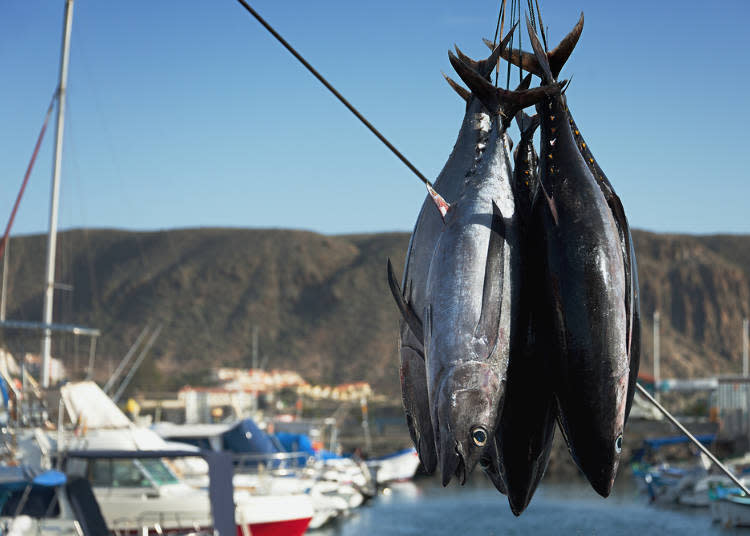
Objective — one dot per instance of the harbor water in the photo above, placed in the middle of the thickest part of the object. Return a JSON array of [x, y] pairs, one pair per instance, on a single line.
[[425, 507]]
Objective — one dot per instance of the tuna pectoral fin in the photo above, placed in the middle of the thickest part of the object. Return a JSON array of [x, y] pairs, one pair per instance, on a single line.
[[410, 317], [550, 202], [494, 277]]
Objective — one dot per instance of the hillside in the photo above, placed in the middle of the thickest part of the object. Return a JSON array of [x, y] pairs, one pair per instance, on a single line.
[[321, 303]]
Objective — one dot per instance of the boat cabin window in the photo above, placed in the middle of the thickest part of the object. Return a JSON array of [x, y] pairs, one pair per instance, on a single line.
[[136, 473], [40, 502]]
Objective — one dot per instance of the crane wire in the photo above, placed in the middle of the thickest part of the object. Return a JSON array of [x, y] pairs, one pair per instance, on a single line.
[[338, 95]]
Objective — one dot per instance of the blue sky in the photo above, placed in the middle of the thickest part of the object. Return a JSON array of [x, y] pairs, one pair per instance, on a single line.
[[187, 113]]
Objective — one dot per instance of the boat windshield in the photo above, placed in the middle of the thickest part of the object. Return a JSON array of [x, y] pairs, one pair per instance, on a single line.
[[136, 473]]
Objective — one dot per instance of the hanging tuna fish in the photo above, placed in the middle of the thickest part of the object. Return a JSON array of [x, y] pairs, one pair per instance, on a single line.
[[462, 162], [583, 306], [523, 441], [557, 59], [472, 312]]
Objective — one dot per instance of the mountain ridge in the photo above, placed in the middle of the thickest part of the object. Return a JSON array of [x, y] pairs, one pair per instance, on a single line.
[[321, 302]]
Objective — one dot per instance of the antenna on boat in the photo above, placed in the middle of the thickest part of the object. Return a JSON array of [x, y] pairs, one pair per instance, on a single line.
[[138, 361], [125, 360], [49, 289]]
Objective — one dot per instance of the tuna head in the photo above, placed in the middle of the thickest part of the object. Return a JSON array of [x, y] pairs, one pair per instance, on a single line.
[[465, 418]]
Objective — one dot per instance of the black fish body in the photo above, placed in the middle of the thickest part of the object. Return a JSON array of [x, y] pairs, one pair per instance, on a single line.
[[557, 59], [523, 439], [584, 306], [632, 291], [582, 310]]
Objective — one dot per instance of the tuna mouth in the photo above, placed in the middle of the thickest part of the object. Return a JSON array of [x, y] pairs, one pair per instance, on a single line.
[[453, 464], [461, 470]]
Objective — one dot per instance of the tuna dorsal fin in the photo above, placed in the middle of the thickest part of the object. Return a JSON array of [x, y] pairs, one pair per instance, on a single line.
[[556, 58], [407, 312], [489, 318], [464, 93], [527, 124], [497, 100], [541, 56], [485, 67]]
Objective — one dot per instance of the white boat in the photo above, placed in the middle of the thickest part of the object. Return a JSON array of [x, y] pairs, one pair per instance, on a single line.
[[48, 504], [395, 467], [134, 492], [332, 485], [731, 510]]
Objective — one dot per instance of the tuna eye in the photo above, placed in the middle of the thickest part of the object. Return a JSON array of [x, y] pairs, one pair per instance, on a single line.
[[618, 444], [479, 436]]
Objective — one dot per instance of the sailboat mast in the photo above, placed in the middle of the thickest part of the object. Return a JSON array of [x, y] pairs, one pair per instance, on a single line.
[[49, 289]]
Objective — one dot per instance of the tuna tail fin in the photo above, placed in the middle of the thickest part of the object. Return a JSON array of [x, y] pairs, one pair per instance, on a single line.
[[485, 67], [541, 55], [489, 318], [407, 312], [556, 58], [464, 93], [564, 49], [527, 124], [497, 100], [520, 58]]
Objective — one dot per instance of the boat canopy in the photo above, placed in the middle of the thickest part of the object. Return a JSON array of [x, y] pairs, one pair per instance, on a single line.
[[246, 437], [302, 443], [657, 442], [14, 478]]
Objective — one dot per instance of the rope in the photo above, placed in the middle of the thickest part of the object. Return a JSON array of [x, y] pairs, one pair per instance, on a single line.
[[27, 175], [541, 26], [499, 33], [510, 44], [338, 95]]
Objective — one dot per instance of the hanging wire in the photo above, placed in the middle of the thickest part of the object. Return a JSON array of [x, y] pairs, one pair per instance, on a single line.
[[532, 15], [520, 44], [499, 33], [510, 43], [541, 26]]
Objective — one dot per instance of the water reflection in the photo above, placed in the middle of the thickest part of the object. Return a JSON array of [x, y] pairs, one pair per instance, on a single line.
[[559, 507]]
